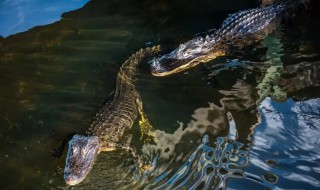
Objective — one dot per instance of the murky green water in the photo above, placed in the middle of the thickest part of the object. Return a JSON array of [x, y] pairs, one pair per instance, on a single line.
[[54, 78]]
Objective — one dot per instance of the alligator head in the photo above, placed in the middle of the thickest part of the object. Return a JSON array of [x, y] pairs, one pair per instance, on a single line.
[[81, 155], [187, 55]]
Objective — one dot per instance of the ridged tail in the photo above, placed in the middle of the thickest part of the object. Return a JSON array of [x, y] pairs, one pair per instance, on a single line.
[[129, 69]]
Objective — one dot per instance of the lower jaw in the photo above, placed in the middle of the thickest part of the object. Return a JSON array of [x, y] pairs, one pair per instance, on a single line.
[[159, 74], [176, 70]]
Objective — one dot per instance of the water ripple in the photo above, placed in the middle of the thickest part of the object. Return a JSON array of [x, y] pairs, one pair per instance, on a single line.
[[207, 166], [296, 162]]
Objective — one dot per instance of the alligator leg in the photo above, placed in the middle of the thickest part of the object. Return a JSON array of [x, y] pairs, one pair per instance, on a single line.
[[142, 165], [145, 126]]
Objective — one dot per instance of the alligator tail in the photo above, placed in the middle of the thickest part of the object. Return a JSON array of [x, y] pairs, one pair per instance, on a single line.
[[129, 69]]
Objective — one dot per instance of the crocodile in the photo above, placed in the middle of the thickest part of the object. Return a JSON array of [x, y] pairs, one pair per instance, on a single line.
[[239, 30], [110, 123]]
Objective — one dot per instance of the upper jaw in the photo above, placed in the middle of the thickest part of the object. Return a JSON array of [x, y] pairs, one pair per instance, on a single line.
[[168, 65]]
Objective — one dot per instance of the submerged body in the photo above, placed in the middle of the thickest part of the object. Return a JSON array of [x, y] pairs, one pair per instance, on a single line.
[[238, 30], [109, 124]]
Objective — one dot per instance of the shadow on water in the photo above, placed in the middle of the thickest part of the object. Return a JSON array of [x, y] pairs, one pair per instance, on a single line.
[[54, 78]]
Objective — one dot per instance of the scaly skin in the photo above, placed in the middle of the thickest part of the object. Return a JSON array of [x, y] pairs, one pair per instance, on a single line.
[[238, 30], [120, 113], [110, 123]]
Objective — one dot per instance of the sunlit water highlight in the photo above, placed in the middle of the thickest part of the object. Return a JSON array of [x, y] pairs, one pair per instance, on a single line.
[[20, 15]]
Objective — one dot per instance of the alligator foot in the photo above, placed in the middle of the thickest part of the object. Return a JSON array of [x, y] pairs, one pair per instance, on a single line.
[[147, 131]]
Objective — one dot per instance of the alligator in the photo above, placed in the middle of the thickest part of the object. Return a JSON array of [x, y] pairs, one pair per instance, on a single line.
[[110, 123], [239, 30]]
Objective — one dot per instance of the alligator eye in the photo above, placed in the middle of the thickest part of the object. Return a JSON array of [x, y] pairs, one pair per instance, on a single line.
[[187, 52]]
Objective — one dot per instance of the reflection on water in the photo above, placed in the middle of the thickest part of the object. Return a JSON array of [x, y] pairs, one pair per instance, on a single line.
[[206, 167], [298, 160], [54, 78], [268, 87]]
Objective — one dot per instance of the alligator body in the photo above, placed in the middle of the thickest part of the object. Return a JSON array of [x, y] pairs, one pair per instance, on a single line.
[[238, 30], [109, 124]]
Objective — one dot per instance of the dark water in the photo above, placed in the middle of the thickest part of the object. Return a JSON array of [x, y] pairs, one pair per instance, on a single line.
[[245, 122]]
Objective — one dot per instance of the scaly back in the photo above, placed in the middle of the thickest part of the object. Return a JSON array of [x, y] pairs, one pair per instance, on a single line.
[[120, 112]]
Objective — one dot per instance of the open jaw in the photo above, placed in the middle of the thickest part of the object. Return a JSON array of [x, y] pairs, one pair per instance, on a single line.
[[82, 152]]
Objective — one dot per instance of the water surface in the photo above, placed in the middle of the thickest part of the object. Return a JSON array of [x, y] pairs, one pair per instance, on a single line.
[[248, 120], [21, 15]]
